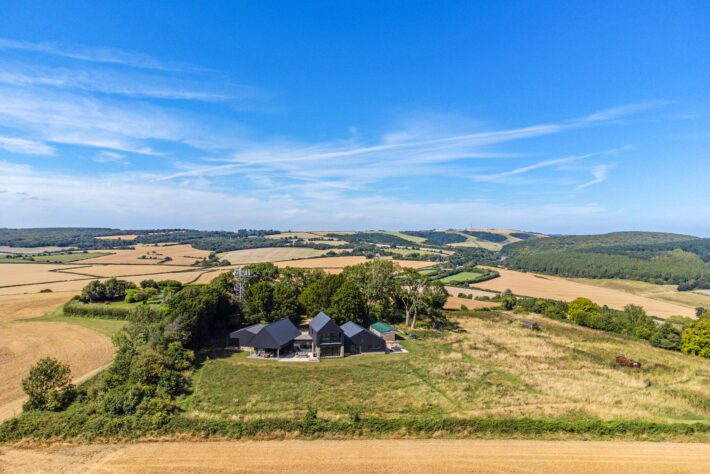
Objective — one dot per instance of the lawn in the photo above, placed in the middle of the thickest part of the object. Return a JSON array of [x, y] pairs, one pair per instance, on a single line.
[[461, 277], [108, 327], [492, 367], [66, 257]]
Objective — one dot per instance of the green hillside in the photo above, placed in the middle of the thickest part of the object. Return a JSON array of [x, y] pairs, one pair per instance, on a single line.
[[654, 257]]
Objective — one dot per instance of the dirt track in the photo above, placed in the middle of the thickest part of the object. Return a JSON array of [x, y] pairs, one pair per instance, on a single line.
[[391, 456]]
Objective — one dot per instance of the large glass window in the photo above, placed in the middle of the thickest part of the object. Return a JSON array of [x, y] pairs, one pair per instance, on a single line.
[[330, 352], [329, 337]]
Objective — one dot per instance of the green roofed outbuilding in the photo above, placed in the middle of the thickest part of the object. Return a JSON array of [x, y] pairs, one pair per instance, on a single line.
[[385, 331]]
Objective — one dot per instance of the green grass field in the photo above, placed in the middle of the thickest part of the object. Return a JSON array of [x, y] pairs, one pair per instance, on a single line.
[[66, 257], [108, 327], [491, 367], [459, 277]]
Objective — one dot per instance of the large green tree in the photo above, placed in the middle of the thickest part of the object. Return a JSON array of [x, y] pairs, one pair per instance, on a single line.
[[696, 337], [377, 280], [258, 302], [348, 304], [317, 296], [411, 293], [48, 385], [285, 303], [582, 309]]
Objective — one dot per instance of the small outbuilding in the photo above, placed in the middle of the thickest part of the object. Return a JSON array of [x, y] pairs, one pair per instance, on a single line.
[[275, 338], [385, 331], [359, 340]]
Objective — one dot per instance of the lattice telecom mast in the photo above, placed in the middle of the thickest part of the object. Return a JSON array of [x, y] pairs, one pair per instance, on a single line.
[[241, 278]]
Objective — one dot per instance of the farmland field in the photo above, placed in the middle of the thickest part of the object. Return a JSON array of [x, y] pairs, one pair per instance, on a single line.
[[545, 286], [493, 368], [67, 257], [27, 273], [153, 254], [459, 277], [400, 456], [108, 271], [118, 237], [14, 307], [270, 254], [659, 292], [22, 343]]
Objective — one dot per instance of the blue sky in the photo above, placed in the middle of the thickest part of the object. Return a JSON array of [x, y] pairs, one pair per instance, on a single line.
[[559, 117]]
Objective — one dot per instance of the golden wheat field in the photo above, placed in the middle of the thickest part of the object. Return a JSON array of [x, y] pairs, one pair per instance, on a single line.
[[28, 273], [14, 307], [455, 303], [270, 254], [364, 456], [545, 286], [109, 271], [153, 254], [118, 237], [23, 343]]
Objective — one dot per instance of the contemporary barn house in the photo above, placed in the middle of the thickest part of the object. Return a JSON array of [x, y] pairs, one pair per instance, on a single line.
[[359, 340], [275, 339], [244, 336], [327, 337], [320, 338]]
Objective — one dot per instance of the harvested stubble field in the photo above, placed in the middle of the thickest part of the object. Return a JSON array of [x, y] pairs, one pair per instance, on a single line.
[[270, 254], [109, 271], [12, 274], [668, 293], [494, 368], [546, 286], [22, 343], [455, 303], [183, 254], [370, 456], [14, 307], [118, 237], [338, 263]]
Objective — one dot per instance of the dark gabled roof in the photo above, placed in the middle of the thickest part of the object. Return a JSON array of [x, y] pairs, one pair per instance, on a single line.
[[276, 335], [320, 321], [245, 335], [350, 329], [359, 335]]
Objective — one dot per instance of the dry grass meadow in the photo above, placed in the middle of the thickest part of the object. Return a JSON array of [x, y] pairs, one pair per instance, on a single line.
[[546, 286], [491, 367], [371, 456]]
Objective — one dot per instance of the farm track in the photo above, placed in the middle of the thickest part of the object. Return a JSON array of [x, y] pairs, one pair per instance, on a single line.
[[364, 456]]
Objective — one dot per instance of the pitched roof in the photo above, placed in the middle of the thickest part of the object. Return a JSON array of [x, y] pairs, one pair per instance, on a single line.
[[350, 328], [319, 321], [245, 335], [276, 335], [381, 326]]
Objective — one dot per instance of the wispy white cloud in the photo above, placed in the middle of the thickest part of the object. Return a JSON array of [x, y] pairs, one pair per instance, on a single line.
[[95, 55], [25, 146], [128, 83], [557, 162], [600, 173]]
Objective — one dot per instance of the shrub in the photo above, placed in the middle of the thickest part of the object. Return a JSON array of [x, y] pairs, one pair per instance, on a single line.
[[48, 385], [696, 337]]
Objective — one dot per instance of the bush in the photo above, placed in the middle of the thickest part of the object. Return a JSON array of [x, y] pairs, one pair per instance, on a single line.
[[696, 337], [77, 308], [48, 385], [111, 289]]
